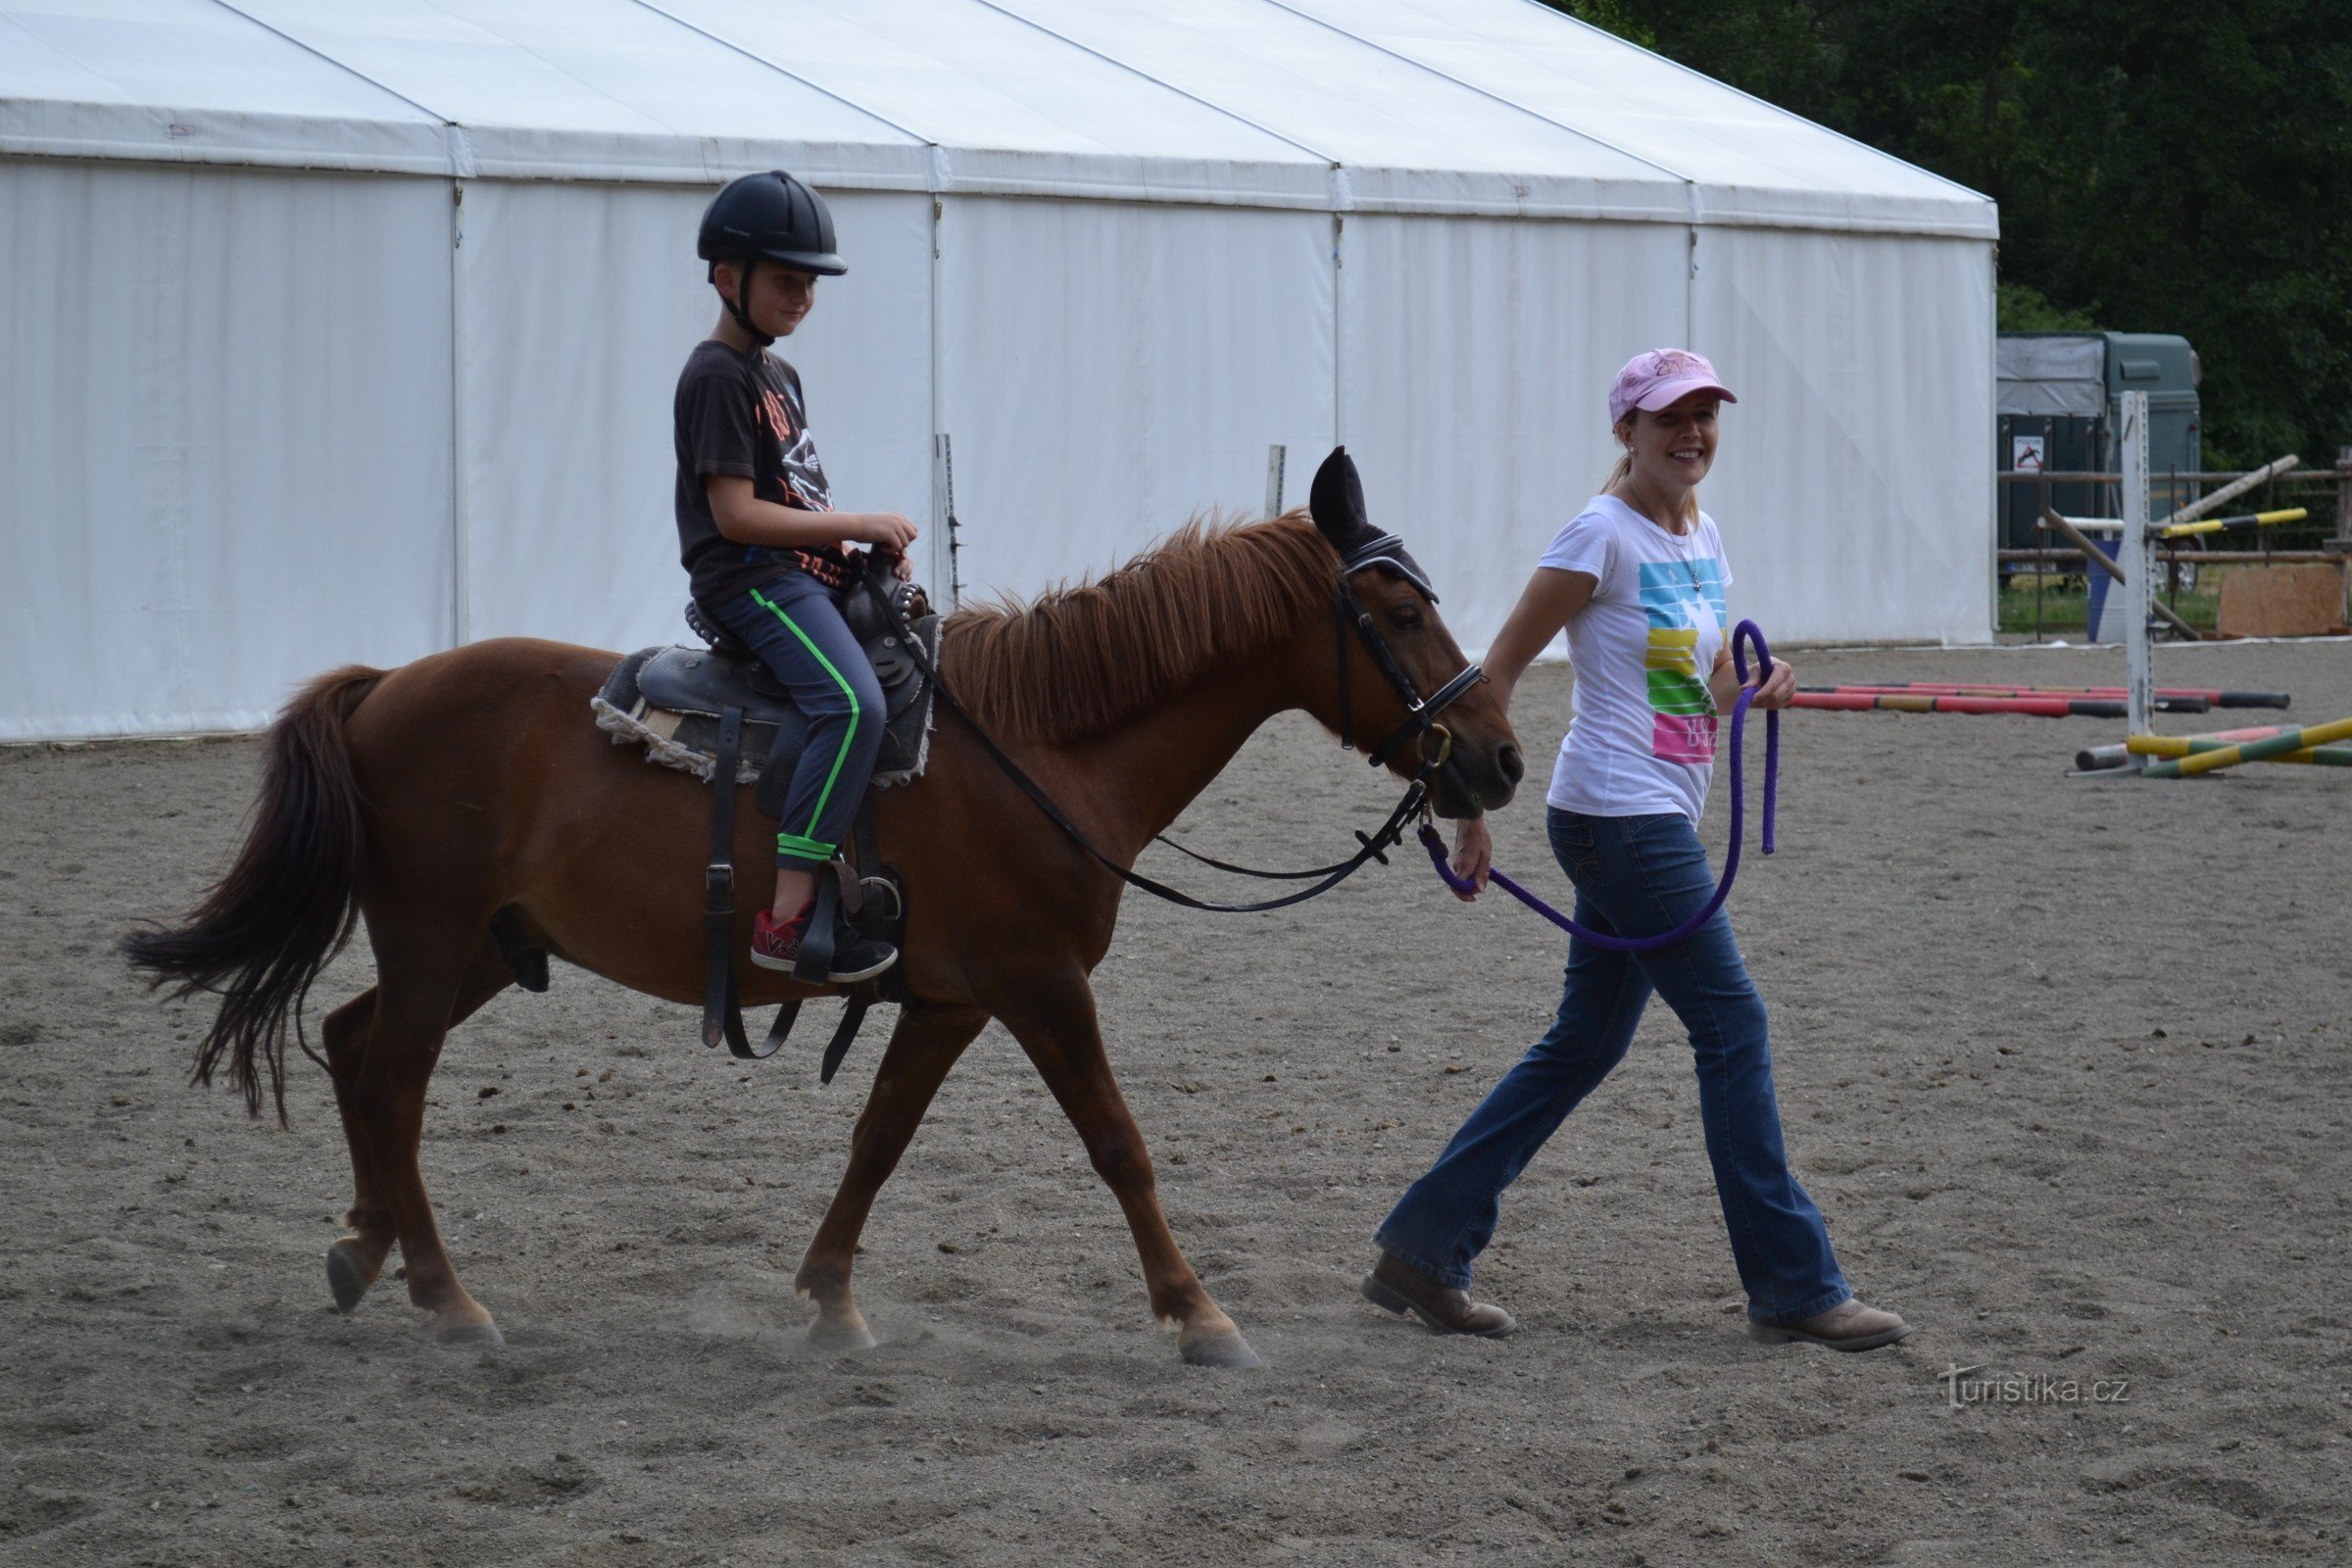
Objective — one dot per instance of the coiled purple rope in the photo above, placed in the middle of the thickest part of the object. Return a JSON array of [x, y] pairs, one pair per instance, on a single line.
[[1745, 632]]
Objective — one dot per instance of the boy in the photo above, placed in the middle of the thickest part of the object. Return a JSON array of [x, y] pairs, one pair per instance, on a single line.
[[764, 547]]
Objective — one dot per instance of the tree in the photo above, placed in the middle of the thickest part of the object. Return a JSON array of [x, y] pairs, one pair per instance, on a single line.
[[2182, 168]]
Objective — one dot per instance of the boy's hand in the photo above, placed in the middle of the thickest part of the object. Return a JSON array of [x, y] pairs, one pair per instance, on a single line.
[[886, 529], [1473, 854], [902, 565]]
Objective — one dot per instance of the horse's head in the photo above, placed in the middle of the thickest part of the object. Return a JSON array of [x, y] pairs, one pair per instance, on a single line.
[[1398, 683]]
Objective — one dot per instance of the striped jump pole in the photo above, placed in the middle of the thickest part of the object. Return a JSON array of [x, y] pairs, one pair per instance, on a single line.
[[2094, 759], [2298, 740], [2219, 699], [2191, 746], [2187, 703], [1937, 703]]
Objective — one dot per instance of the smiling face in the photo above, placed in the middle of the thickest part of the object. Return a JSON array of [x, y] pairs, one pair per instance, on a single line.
[[780, 297], [1674, 447]]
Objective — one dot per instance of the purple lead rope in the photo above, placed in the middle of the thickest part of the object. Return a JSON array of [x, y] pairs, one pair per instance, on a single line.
[[1745, 632]]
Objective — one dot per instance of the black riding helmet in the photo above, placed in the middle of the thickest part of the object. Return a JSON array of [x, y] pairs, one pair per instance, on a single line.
[[768, 217]]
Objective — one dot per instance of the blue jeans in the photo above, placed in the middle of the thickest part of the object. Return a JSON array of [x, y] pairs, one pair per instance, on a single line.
[[794, 624], [1635, 876]]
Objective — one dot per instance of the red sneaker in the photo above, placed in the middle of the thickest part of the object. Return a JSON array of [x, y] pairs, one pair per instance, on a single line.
[[777, 945]]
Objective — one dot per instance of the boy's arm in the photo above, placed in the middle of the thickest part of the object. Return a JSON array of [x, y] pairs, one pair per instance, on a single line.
[[747, 519]]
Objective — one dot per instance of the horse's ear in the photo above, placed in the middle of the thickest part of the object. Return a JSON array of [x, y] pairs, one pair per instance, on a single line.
[[1335, 500]]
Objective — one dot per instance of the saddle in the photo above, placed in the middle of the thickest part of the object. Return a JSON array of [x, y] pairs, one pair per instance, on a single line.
[[718, 714]]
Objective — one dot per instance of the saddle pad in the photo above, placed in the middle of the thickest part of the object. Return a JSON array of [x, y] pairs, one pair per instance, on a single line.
[[667, 700]]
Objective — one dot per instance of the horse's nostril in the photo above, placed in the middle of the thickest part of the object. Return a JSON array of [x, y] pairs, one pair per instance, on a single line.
[[1514, 765]]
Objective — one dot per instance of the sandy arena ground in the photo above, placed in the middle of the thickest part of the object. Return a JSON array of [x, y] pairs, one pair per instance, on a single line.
[[2063, 1061]]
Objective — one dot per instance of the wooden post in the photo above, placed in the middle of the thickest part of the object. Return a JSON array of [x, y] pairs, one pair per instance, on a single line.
[[2344, 518], [1275, 455], [2234, 489]]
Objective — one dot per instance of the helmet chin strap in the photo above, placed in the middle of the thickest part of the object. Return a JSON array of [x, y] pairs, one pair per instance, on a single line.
[[737, 302]]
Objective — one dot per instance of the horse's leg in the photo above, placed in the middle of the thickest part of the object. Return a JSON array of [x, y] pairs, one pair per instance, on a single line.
[[353, 1262], [1054, 1023], [922, 1048], [419, 994]]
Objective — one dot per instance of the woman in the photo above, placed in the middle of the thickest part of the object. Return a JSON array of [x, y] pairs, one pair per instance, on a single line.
[[1636, 579]]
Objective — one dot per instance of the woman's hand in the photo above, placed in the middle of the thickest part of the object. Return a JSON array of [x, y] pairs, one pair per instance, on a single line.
[[1775, 691], [1473, 854]]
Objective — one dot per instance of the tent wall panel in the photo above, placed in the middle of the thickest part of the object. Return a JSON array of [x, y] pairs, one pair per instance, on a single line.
[[1852, 486], [1475, 364], [1109, 370], [224, 439], [578, 306]]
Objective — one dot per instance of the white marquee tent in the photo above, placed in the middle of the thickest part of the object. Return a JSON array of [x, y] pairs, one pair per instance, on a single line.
[[334, 333]]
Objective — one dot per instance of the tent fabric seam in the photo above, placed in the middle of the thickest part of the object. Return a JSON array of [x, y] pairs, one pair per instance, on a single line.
[[1776, 109], [461, 155], [761, 60], [1511, 104], [1138, 72]]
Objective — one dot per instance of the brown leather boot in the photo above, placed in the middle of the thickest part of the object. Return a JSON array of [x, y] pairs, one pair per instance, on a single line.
[[1401, 1287], [1847, 1325]]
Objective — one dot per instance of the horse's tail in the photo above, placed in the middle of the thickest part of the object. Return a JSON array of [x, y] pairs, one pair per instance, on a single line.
[[286, 907]]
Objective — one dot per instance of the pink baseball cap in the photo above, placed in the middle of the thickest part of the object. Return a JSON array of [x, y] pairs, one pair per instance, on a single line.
[[1654, 380]]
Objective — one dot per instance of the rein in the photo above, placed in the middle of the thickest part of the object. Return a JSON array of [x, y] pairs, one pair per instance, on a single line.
[[1420, 722], [1745, 632]]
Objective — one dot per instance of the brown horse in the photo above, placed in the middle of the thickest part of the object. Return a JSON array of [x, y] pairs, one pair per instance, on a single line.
[[426, 799]]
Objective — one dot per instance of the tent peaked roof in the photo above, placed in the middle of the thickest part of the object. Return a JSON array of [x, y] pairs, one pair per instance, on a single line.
[[1443, 105]]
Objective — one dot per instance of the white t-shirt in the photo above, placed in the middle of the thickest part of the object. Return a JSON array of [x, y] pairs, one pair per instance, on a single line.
[[1642, 739]]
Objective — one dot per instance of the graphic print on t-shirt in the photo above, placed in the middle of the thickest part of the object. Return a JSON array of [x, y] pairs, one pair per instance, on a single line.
[[1681, 714], [804, 473]]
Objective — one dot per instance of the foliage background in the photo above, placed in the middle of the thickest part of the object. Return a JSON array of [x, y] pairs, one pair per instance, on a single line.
[[2159, 169]]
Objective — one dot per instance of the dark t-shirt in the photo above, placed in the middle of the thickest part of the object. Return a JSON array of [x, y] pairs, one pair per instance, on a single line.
[[744, 415]]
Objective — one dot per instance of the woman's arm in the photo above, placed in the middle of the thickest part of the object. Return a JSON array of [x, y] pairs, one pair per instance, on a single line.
[[1549, 601], [747, 519]]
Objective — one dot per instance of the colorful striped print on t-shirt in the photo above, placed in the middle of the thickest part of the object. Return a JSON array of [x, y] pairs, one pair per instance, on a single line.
[[1682, 713]]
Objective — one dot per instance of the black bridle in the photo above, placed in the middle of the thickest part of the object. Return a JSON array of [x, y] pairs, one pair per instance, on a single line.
[[1420, 714], [1420, 721]]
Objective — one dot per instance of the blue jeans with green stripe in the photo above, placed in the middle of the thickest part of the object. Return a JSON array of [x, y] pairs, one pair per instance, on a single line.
[[794, 624]]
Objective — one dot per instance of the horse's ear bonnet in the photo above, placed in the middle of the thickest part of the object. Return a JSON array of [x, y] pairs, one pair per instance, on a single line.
[[1335, 500]]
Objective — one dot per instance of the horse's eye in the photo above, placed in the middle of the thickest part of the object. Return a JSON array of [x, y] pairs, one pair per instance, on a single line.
[[1405, 619]]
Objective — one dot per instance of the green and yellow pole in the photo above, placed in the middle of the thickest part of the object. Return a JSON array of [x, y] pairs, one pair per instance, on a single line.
[[2307, 739], [2191, 745]]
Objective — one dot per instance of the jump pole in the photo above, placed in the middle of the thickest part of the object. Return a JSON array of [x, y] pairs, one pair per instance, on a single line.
[[2297, 740], [2097, 758], [2191, 746]]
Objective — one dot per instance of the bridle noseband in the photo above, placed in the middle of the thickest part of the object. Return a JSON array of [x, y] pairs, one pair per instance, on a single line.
[[1420, 714]]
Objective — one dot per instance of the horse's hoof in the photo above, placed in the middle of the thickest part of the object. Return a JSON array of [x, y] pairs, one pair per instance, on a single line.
[[1220, 1350], [343, 1276], [462, 1336], [839, 1339]]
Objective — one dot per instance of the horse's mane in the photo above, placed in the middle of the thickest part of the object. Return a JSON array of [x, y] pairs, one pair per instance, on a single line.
[[1077, 660]]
